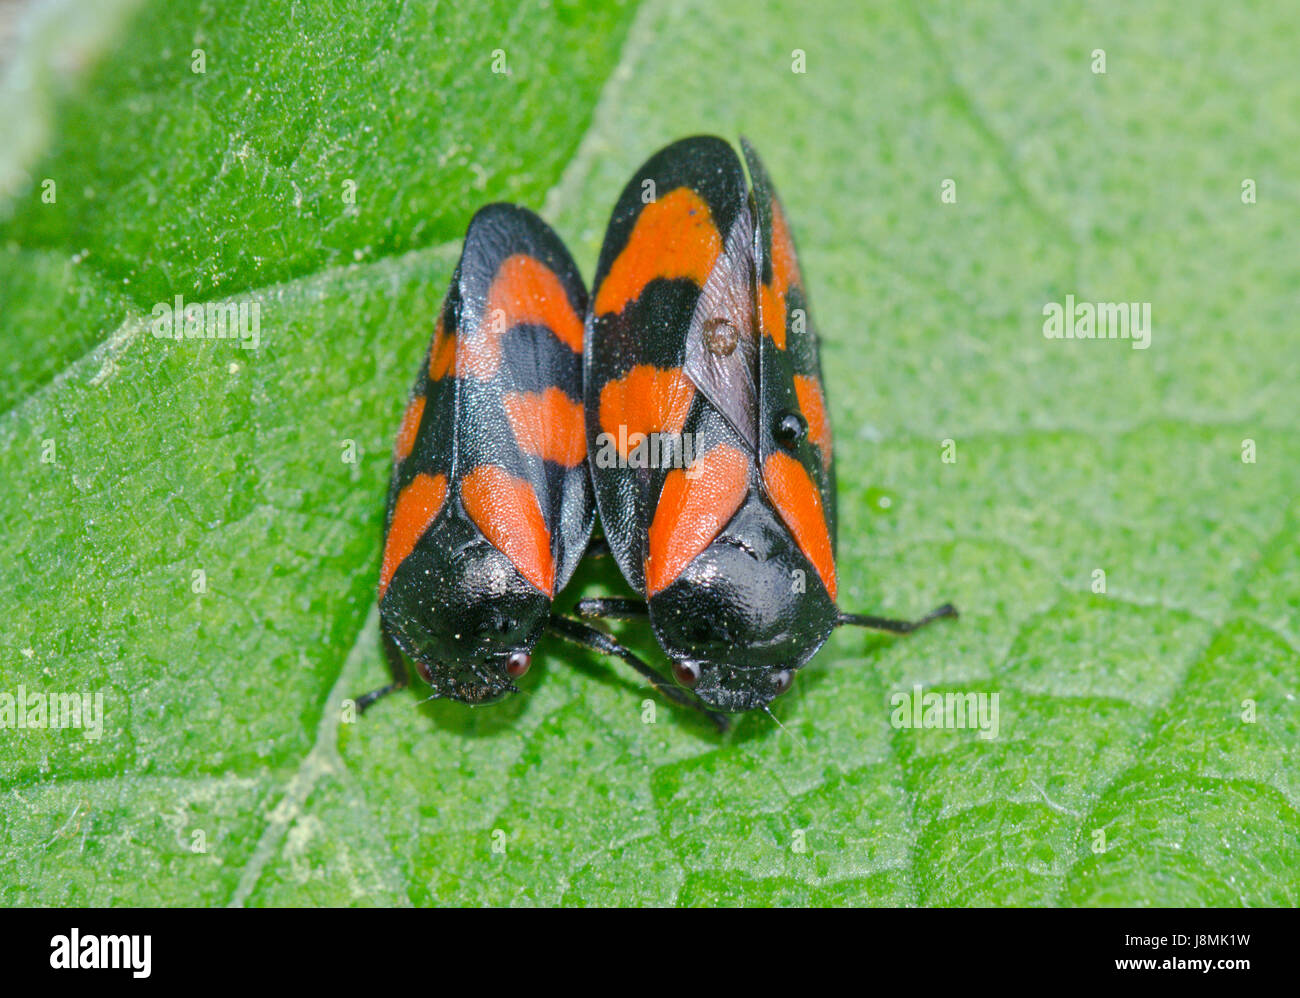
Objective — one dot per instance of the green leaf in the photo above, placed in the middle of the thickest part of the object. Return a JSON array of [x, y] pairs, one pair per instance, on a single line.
[[1148, 735]]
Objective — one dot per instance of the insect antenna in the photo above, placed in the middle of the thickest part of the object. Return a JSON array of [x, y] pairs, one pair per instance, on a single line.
[[784, 730]]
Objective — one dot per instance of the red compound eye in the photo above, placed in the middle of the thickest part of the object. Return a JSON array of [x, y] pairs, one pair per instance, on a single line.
[[518, 664], [686, 673]]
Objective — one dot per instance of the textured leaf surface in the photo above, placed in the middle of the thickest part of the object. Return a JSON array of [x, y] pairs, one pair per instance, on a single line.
[[225, 773]]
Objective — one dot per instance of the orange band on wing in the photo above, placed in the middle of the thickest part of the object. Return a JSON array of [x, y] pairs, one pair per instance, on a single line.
[[548, 424], [442, 356], [785, 275], [410, 427], [785, 267], [800, 505], [812, 403], [691, 512], [506, 510], [673, 237], [524, 291], [647, 399], [417, 506], [772, 310]]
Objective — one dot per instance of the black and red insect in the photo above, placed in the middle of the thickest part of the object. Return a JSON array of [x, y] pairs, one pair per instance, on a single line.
[[490, 505], [698, 332]]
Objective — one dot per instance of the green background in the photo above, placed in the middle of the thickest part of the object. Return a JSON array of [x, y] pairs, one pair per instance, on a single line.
[[1121, 714]]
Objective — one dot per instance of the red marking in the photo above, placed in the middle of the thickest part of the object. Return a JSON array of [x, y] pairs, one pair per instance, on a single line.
[[417, 507], [506, 510], [442, 356], [771, 305], [647, 399], [692, 511], [800, 505], [410, 427], [785, 275], [524, 291], [812, 403], [548, 424], [785, 268], [673, 237]]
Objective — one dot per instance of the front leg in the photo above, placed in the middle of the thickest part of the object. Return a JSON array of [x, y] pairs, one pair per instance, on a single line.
[[396, 666], [896, 626], [593, 640]]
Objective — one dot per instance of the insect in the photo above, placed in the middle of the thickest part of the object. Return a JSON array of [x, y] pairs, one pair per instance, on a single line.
[[489, 503], [699, 342]]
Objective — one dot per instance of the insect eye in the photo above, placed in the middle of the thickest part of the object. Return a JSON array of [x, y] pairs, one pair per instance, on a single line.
[[425, 670], [517, 664], [783, 680], [686, 673], [790, 429]]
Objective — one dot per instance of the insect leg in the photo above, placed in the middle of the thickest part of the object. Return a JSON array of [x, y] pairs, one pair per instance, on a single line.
[[588, 637], [396, 665], [896, 626]]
